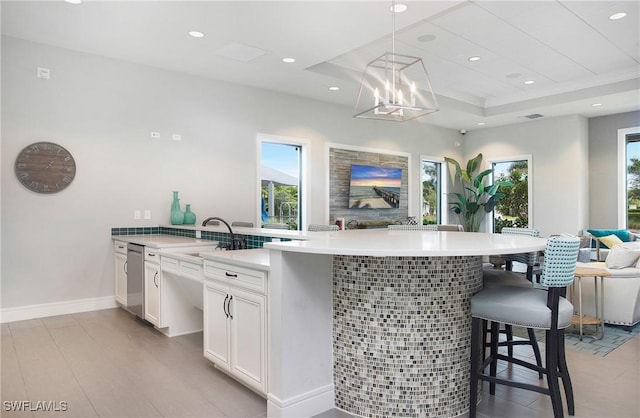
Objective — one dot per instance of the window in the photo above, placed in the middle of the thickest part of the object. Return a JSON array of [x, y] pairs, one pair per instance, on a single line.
[[513, 210], [281, 181], [632, 181], [433, 200]]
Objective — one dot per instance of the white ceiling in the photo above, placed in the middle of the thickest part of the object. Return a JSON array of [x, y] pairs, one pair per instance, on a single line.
[[576, 55]]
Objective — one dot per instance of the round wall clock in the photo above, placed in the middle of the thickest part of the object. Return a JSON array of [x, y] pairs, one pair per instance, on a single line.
[[45, 167]]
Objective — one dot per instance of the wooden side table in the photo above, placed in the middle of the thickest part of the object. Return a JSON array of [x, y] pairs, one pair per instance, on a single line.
[[580, 320]]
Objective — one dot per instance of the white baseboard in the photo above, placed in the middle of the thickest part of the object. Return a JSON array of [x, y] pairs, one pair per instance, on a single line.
[[306, 404], [20, 313]]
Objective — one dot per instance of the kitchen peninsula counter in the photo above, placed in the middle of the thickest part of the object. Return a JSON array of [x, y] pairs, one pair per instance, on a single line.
[[376, 322]]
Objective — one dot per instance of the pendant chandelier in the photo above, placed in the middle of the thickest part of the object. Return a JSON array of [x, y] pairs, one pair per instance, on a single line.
[[395, 87]]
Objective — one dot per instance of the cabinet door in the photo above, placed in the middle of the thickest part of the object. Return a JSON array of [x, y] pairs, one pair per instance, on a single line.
[[121, 279], [248, 338], [152, 291], [216, 324]]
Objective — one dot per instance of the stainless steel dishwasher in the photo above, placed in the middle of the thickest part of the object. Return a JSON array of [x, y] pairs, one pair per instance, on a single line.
[[135, 279]]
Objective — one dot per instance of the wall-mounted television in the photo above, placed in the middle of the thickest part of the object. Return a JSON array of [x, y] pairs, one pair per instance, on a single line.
[[374, 187]]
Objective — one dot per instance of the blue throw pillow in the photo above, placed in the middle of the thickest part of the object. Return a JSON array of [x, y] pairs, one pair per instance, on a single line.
[[623, 234]]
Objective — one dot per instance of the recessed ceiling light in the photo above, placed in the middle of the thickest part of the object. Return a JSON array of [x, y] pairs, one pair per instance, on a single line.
[[73, 1], [288, 60], [196, 34], [480, 123], [334, 88], [514, 75], [472, 59], [399, 8], [617, 16], [426, 38], [529, 82], [596, 104]]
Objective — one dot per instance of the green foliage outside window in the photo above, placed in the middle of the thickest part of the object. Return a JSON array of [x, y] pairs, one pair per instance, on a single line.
[[513, 208]]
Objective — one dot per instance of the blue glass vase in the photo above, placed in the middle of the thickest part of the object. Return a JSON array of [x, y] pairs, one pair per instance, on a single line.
[[177, 216], [189, 217]]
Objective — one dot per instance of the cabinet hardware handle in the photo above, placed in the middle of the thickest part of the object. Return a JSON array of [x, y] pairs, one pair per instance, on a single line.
[[125, 267], [224, 306], [155, 277], [229, 307], [121, 247], [230, 275], [151, 255]]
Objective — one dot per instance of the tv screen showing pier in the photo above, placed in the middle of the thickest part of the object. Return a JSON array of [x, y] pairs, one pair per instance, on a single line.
[[374, 187]]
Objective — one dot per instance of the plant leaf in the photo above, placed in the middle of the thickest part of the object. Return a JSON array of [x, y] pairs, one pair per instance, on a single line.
[[478, 180], [455, 164], [474, 163]]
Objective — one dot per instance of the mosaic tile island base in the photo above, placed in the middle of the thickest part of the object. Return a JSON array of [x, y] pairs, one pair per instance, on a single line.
[[401, 332]]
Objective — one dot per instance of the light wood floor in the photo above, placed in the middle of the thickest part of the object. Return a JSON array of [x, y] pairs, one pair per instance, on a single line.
[[109, 364]]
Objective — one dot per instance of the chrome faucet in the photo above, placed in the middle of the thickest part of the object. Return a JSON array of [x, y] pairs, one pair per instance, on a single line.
[[236, 244]]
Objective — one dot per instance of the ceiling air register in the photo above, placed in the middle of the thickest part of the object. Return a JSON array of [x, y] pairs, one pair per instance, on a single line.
[[395, 87]]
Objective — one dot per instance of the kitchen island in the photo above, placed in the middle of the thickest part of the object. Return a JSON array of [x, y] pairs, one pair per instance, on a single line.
[[376, 322]]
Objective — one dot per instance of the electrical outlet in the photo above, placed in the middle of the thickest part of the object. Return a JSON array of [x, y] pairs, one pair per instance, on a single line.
[[176, 137], [43, 73], [147, 214], [136, 214], [155, 135], [198, 234]]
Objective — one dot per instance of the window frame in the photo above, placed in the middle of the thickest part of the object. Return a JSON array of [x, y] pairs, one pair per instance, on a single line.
[[303, 187], [443, 205], [622, 174]]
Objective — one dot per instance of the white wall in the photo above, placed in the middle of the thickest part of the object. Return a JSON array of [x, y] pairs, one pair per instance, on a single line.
[[603, 162], [559, 150], [58, 247]]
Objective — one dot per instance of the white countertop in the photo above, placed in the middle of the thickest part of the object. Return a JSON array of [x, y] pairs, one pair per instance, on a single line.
[[164, 241], [257, 258], [383, 242], [261, 232]]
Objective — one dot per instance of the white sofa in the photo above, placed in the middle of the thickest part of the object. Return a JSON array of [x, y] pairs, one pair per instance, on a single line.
[[593, 250], [621, 295]]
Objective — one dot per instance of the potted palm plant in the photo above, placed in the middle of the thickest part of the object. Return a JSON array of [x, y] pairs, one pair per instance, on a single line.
[[477, 198]]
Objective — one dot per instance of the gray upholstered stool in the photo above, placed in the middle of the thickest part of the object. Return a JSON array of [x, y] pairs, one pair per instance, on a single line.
[[529, 308], [492, 278]]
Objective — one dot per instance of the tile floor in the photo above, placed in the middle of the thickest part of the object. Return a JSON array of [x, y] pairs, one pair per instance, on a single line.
[[108, 364]]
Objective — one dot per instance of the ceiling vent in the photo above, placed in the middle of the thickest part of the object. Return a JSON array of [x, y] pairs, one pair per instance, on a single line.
[[534, 116], [239, 52]]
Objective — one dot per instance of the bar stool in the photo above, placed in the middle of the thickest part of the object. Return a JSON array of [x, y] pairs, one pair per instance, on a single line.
[[529, 308], [322, 227], [492, 278]]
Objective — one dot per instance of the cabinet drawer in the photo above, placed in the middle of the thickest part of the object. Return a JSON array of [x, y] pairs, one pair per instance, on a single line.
[[120, 247], [169, 264], [236, 276], [191, 269], [152, 255]]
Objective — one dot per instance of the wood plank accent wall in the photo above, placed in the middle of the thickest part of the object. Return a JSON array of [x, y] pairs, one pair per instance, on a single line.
[[340, 161]]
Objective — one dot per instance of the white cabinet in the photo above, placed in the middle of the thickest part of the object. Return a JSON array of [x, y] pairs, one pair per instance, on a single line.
[[120, 248], [152, 287], [235, 334]]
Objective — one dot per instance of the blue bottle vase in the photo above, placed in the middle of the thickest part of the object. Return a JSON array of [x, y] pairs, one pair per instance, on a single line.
[[189, 217], [177, 216]]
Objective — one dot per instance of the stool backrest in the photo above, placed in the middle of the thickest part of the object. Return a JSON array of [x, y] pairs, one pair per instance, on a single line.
[[560, 257], [411, 227], [530, 259], [452, 227], [276, 226], [322, 227]]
